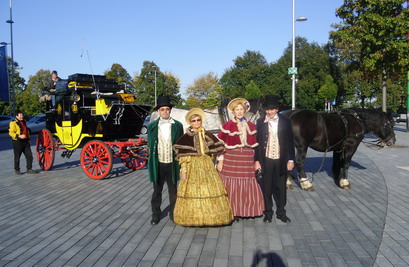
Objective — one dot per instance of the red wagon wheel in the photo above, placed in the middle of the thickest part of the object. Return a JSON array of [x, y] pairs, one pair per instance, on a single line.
[[136, 159], [45, 150], [96, 159]]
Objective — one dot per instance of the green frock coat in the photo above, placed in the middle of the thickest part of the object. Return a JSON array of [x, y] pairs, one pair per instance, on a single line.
[[153, 161]]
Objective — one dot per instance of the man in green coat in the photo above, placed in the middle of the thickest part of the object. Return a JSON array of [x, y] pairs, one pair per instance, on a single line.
[[163, 133]]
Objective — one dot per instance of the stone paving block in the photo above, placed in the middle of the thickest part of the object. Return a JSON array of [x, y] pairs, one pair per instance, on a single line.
[[190, 262], [318, 251], [249, 256], [323, 262], [287, 239], [220, 263], [289, 252], [162, 260], [195, 250], [210, 243], [382, 261], [306, 257], [207, 257], [213, 233], [294, 262], [235, 261], [236, 244], [178, 256], [337, 259], [349, 256], [199, 238]]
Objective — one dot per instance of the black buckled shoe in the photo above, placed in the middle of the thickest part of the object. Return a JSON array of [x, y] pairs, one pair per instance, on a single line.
[[283, 218], [267, 218], [155, 221]]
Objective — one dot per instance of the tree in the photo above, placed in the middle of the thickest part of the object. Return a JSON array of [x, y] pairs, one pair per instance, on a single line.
[[252, 66], [373, 36], [28, 99], [252, 91], [120, 75], [205, 92], [313, 63], [166, 84], [329, 89]]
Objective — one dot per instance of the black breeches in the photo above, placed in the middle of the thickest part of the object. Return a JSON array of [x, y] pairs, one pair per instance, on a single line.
[[164, 174], [274, 186]]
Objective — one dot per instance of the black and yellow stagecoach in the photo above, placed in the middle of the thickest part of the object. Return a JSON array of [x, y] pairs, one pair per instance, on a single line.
[[93, 113]]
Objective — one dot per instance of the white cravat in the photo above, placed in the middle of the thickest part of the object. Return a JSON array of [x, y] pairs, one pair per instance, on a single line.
[[164, 128]]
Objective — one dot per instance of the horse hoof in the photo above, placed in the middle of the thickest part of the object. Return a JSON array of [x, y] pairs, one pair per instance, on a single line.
[[310, 189], [346, 187], [290, 187]]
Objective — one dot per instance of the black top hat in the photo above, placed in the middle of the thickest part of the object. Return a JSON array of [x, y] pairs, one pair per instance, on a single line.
[[271, 102], [163, 101]]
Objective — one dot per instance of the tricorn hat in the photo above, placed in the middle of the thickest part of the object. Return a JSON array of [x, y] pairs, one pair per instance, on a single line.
[[195, 111], [163, 101], [271, 102], [233, 103]]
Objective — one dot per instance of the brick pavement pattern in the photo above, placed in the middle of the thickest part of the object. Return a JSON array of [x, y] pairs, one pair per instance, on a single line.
[[63, 218]]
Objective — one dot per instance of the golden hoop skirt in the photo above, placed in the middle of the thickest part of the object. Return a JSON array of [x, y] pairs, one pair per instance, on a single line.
[[202, 198]]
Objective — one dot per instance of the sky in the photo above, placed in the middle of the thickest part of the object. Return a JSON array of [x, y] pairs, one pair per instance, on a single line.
[[186, 38]]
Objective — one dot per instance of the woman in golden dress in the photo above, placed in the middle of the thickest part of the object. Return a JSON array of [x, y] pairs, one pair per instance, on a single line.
[[201, 198]]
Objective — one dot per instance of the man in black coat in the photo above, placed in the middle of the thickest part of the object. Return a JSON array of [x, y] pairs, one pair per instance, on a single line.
[[274, 156]]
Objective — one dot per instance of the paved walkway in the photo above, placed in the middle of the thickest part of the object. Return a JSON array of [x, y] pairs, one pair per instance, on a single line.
[[63, 218]]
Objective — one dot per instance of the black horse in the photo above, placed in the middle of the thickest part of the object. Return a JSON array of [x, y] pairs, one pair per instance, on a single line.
[[340, 132]]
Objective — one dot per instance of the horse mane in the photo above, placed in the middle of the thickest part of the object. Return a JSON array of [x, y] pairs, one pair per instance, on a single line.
[[371, 118]]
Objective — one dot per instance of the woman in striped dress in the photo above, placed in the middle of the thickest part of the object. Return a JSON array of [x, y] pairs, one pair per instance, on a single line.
[[236, 166]]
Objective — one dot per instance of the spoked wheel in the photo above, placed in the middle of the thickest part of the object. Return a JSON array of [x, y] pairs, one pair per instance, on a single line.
[[96, 159], [45, 150], [136, 159]]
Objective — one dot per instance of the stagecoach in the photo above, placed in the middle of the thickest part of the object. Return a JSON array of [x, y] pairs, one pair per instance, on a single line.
[[94, 114]]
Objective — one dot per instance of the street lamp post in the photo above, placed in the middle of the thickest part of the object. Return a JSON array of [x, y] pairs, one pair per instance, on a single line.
[[293, 69], [13, 95], [155, 91]]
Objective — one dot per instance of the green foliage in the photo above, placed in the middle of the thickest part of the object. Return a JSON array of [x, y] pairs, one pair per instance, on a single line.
[[252, 66], [329, 89], [205, 92], [313, 63], [120, 75], [166, 84], [252, 91], [29, 98], [372, 39]]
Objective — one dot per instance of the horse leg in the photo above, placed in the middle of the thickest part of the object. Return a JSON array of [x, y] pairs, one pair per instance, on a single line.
[[343, 176], [348, 152], [289, 182], [302, 176], [336, 165]]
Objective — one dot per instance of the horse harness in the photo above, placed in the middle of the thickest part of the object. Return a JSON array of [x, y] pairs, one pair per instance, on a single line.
[[345, 121]]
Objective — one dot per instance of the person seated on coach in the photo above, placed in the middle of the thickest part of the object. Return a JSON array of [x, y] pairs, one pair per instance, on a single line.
[[50, 91]]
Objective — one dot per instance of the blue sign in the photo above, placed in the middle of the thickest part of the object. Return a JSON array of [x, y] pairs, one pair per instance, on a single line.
[[4, 81]]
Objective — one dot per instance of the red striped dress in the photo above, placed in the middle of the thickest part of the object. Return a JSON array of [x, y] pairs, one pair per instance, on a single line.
[[238, 172]]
